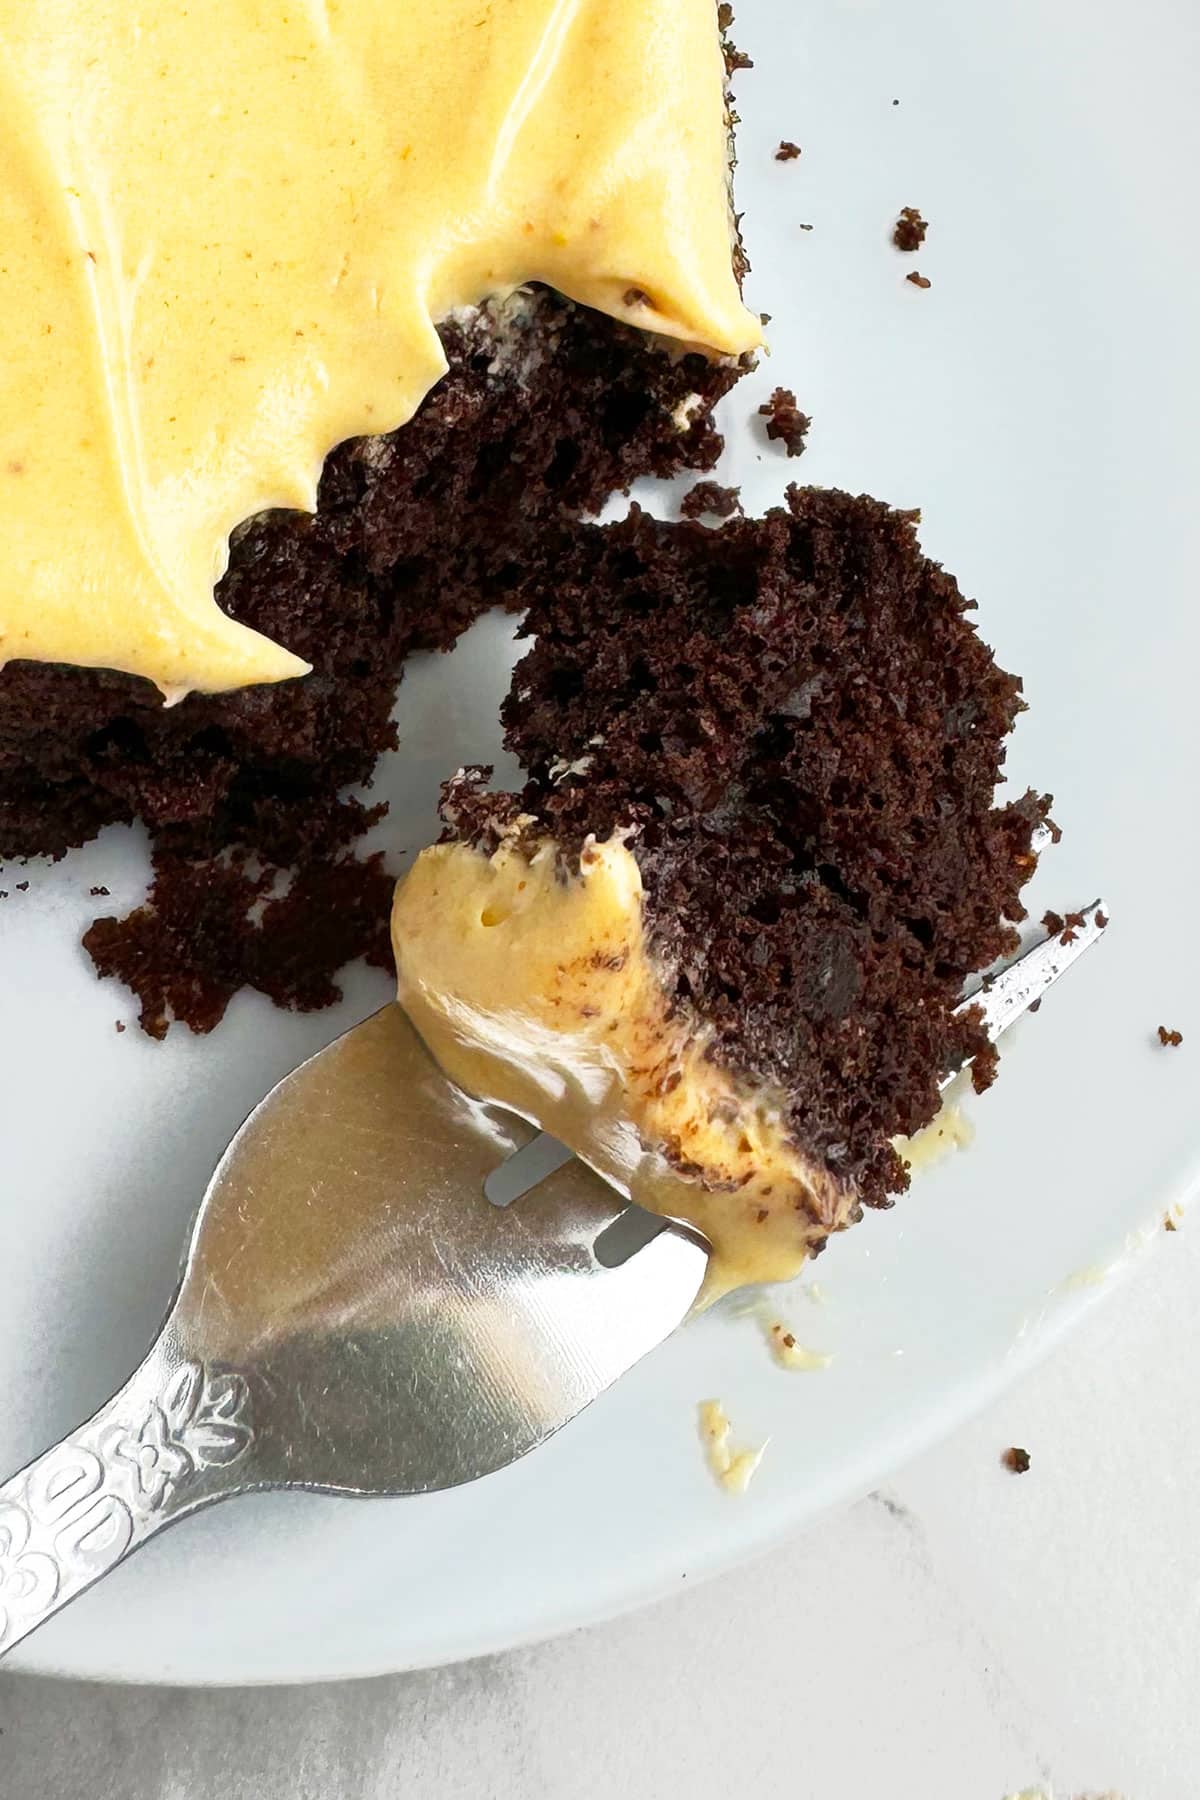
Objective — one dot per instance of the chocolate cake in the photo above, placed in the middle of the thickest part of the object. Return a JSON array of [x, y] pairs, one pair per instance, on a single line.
[[795, 727], [548, 407]]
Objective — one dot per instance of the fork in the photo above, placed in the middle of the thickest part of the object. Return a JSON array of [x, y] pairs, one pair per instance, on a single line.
[[355, 1316]]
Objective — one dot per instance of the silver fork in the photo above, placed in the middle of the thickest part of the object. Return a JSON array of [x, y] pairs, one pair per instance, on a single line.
[[354, 1316]]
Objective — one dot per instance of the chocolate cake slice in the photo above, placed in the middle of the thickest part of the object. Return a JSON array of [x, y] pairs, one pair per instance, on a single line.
[[547, 409], [757, 855]]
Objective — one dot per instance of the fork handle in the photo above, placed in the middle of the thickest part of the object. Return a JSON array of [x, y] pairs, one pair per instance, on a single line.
[[170, 1441]]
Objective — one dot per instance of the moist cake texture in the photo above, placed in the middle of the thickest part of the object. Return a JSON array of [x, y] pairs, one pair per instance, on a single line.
[[793, 726], [192, 359], [548, 407]]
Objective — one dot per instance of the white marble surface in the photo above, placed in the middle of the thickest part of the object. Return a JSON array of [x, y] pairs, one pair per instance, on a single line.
[[964, 1635]]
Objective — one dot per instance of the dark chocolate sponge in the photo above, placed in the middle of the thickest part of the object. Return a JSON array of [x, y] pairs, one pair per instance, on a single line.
[[546, 410], [805, 727]]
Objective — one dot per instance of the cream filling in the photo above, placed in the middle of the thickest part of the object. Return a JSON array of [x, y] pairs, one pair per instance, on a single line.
[[535, 989], [226, 234]]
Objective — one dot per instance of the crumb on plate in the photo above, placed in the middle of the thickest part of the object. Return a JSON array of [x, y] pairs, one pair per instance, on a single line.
[[910, 229], [785, 422], [710, 497]]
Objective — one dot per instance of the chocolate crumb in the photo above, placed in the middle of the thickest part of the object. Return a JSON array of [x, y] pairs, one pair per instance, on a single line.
[[1102, 920], [806, 227], [711, 497], [120, 1024], [1054, 922], [208, 928], [98, 893], [1035, 1005], [1168, 1037], [724, 15], [22, 887], [910, 229], [789, 1342], [787, 152], [786, 424], [919, 281], [1016, 1459]]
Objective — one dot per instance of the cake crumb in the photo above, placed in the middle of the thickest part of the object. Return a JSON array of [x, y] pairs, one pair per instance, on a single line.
[[785, 422], [1016, 1459], [1073, 925], [1169, 1223], [1169, 1038], [209, 927], [1102, 921], [787, 152], [918, 281], [711, 497], [1054, 923], [98, 893], [120, 1024], [910, 229], [733, 1468]]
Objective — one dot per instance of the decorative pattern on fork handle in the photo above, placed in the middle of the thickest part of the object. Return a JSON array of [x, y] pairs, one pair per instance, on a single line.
[[74, 1513]]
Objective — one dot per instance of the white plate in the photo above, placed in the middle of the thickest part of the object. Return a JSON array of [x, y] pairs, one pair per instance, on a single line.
[[1038, 402]]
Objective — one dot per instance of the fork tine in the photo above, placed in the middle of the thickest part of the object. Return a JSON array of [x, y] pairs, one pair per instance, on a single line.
[[1014, 991]]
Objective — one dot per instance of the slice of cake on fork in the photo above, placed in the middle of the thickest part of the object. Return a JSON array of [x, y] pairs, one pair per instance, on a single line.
[[717, 941]]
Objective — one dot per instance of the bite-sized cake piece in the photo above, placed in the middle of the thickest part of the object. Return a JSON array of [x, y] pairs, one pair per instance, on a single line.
[[717, 941]]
